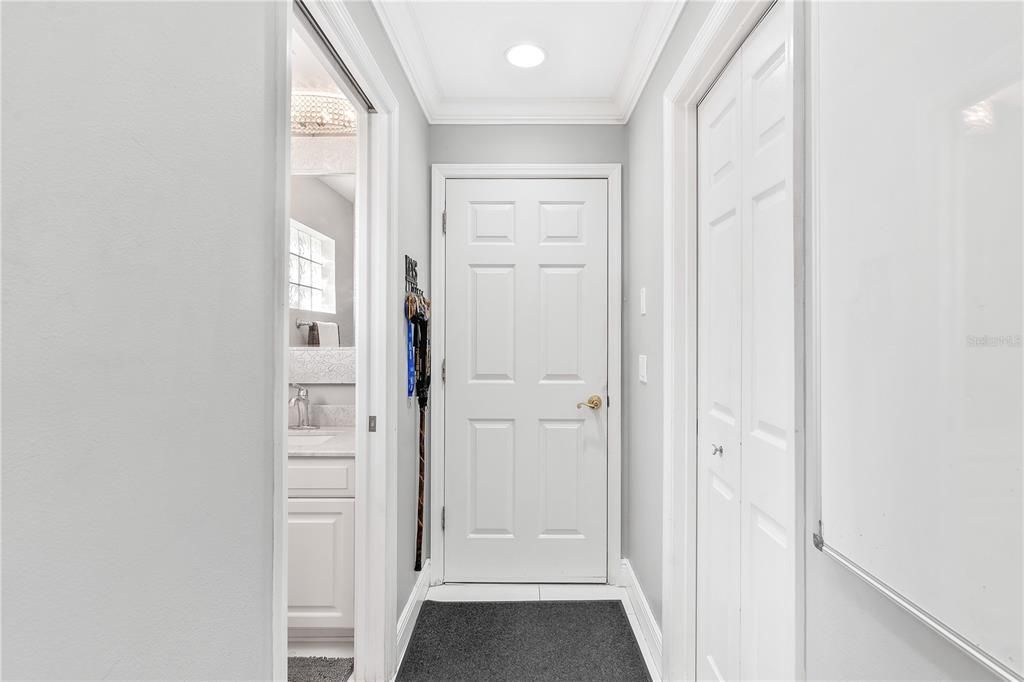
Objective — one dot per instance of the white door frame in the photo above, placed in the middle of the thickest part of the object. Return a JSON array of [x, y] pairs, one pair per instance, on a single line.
[[377, 392], [608, 171], [723, 32]]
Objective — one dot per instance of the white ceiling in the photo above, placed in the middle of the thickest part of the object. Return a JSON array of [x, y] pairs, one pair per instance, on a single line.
[[599, 56], [342, 183], [308, 70]]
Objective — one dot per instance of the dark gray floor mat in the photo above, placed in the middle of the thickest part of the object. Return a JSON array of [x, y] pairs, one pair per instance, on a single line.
[[318, 669], [532, 640]]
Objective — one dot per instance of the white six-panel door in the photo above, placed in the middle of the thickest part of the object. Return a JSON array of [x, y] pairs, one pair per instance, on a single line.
[[746, 364], [526, 334]]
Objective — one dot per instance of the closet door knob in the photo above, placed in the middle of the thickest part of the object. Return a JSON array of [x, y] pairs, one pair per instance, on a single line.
[[717, 450]]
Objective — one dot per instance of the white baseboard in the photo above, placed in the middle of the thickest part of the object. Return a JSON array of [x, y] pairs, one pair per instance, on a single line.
[[648, 625], [407, 621], [331, 648]]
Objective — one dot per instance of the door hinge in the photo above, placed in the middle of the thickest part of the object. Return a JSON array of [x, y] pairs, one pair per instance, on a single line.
[[442, 518], [372, 425], [819, 537], [444, 222], [444, 370]]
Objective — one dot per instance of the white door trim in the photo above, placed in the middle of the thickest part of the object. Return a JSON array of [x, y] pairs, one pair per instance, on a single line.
[[279, 375], [377, 392], [613, 173], [721, 35]]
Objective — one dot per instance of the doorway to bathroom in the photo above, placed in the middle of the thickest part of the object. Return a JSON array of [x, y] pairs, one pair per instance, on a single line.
[[326, 123], [335, 450]]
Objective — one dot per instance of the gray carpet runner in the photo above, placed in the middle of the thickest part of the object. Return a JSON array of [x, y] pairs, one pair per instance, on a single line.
[[523, 641], [318, 669]]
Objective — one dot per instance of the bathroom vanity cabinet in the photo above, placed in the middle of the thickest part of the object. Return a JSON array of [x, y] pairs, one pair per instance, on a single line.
[[321, 535]]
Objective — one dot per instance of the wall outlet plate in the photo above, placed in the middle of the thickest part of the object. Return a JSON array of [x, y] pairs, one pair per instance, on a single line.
[[643, 300], [643, 369]]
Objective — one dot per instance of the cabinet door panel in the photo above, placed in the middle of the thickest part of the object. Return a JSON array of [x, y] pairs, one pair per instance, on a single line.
[[320, 563], [321, 476]]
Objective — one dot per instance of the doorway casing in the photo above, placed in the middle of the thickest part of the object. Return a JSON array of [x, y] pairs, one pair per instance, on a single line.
[[724, 30], [376, 529], [612, 172]]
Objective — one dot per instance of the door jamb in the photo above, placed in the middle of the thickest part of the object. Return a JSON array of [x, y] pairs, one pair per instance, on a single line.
[[376, 528], [612, 172], [724, 30]]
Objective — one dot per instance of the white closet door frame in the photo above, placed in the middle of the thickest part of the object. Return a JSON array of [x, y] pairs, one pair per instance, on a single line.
[[607, 171], [726, 28]]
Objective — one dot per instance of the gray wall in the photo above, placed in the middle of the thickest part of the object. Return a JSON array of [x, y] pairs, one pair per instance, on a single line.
[[316, 205], [527, 144], [138, 221], [642, 419], [413, 239], [853, 632], [537, 144]]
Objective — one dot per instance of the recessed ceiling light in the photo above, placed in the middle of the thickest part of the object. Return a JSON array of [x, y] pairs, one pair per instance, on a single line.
[[524, 56]]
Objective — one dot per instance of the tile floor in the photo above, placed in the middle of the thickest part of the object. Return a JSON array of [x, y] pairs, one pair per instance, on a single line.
[[500, 592]]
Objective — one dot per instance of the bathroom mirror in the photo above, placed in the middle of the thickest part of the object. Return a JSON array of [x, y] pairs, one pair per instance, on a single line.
[[321, 237]]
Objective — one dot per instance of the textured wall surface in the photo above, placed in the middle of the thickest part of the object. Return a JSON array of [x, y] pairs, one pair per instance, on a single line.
[[138, 221]]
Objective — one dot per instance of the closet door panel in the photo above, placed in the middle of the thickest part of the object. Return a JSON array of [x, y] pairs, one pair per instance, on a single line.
[[719, 404], [768, 352]]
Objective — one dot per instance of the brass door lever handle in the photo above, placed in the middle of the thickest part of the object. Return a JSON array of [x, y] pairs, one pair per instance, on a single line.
[[593, 402]]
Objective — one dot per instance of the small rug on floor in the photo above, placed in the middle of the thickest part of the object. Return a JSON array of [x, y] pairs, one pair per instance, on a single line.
[[318, 669], [528, 640]]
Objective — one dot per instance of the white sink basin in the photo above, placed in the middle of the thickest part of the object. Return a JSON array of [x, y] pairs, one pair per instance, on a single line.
[[302, 440]]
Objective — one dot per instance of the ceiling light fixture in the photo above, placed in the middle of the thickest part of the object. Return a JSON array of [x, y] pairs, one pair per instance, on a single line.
[[524, 56], [978, 116], [317, 114]]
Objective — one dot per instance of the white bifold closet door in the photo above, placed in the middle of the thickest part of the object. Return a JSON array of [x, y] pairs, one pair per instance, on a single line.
[[747, 506]]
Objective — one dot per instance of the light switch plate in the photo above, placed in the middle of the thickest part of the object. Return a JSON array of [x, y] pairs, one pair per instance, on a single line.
[[643, 369], [643, 300]]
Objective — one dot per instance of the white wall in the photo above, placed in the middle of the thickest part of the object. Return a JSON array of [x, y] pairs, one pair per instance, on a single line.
[[316, 205], [138, 218], [853, 632], [413, 239]]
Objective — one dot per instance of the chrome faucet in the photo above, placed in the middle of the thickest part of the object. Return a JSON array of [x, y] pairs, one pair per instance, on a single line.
[[301, 403]]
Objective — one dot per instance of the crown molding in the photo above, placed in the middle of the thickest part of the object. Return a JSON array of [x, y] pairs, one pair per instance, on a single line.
[[654, 29], [417, 71], [657, 31]]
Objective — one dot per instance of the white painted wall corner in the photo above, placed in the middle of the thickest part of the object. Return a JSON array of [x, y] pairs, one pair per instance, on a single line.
[[407, 621], [649, 629]]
